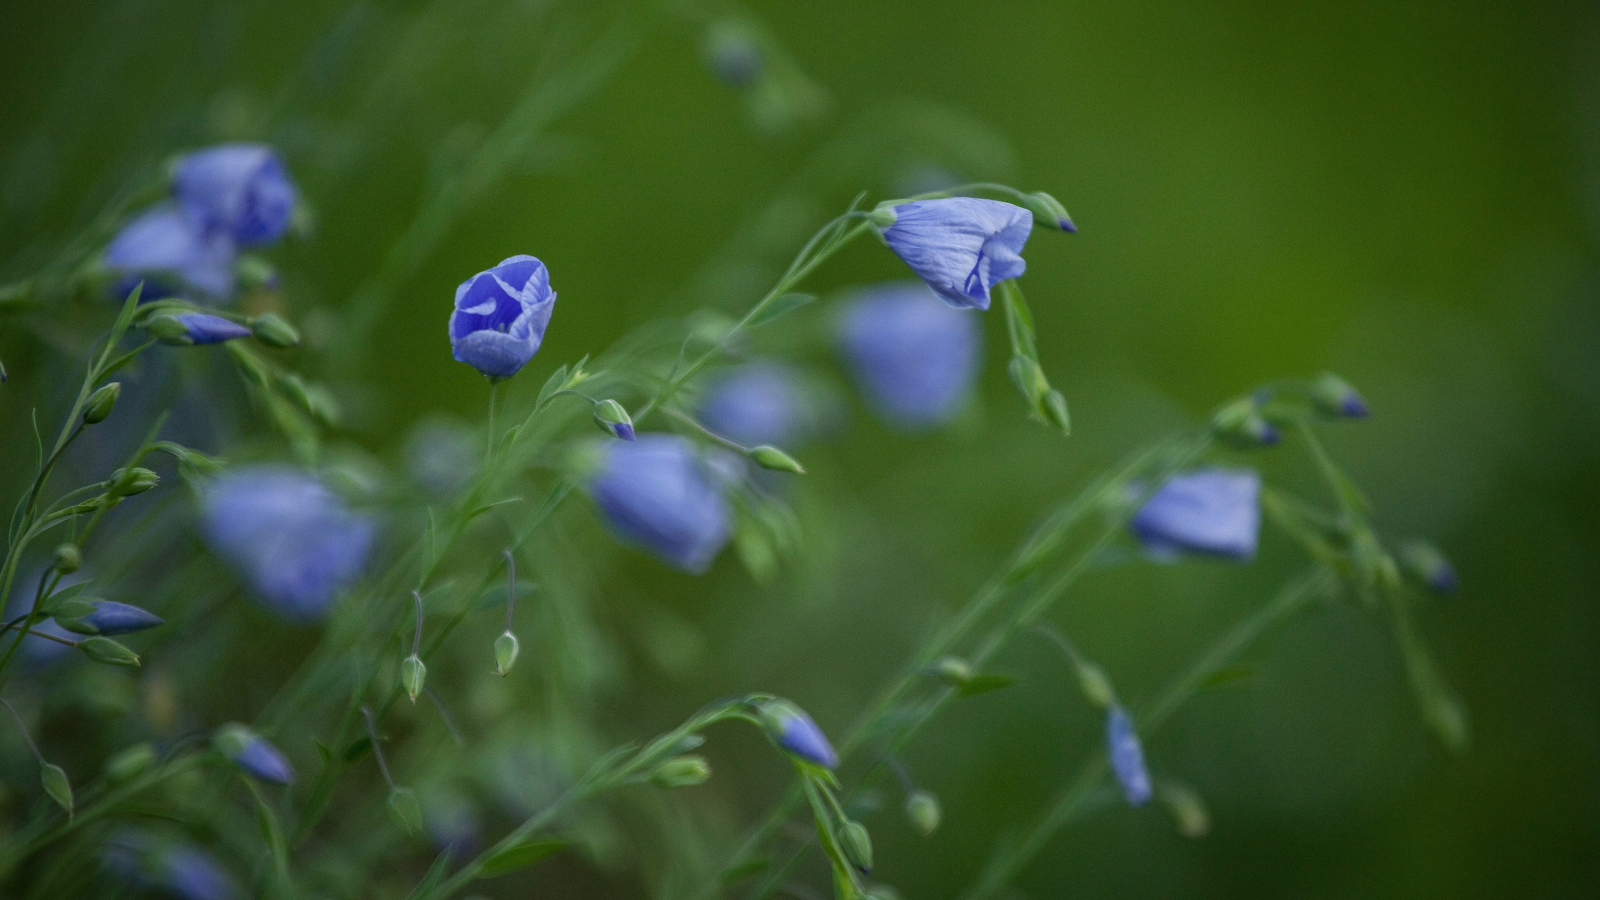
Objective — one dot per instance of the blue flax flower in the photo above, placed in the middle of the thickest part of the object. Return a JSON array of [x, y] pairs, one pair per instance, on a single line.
[[914, 358], [254, 754], [1210, 511], [961, 246], [656, 493], [201, 328], [191, 873], [240, 190], [501, 315], [754, 404], [173, 253], [1127, 757], [795, 733], [294, 540], [110, 617]]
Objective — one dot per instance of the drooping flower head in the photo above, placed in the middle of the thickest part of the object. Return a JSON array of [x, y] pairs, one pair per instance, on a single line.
[[294, 540], [172, 253], [656, 493], [1127, 757], [795, 733], [1210, 511], [757, 403], [913, 357], [960, 246], [240, 190], [501, 315]]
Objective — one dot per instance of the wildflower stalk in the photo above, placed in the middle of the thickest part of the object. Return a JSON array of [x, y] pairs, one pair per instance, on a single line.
[[1072, 800]]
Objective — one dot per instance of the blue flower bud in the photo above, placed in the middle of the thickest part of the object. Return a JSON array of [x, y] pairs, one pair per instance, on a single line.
[[1427, 564], [109, 617], [294, 540], [914, 358], [1211, 511], [732, 53], [165, 243], [758, 403], [794, 733], [1127, 757], [240, 190], [1242, 425], [253, 753], [1336, 399], [190, 873], [614, 420], [200, 328], [1048, 209], [960, 246], [656, 493], [501, 315]]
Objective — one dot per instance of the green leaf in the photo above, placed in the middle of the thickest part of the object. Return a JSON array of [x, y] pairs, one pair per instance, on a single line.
[[403, 803], [520, 856], [983, 684], [781, 305], [357, 750], [105, 650], [1226, 676], [57, 786], [744, 870], [551, 385]]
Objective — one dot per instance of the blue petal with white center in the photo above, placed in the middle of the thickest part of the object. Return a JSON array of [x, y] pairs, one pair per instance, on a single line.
[[961, 246], [1216, 512], [500, 316]]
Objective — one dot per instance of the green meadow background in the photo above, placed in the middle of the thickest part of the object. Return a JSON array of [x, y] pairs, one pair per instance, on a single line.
[[1405, 193]]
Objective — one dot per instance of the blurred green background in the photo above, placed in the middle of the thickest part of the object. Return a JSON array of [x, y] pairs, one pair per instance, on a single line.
[[1405, 193]]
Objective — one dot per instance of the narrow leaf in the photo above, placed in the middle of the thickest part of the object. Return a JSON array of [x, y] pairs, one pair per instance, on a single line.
[[983, 684], [786, 303], [520, 856], [57, 786]]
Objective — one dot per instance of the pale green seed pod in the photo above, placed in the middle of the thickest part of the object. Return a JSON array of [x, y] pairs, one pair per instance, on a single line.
[[769, 457], [922, 808], [682, 771], [412, 675], [105, 650], [273, 331], [857, 846], [68, 558], [506, 649], [101, 402]]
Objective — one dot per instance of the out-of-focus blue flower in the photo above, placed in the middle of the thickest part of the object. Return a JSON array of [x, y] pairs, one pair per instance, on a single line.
[[266, 762], [110, 617], [193, 874], [1427, 563], [1211, 511], [961, 246], [794, 732], [758, 403], [656, 493], [240, 190], [294, 540], [165, 243], [501, 315], [451, 822], [201, 328], [914, 357], [732, 53], [1127, 757], [442, 455]]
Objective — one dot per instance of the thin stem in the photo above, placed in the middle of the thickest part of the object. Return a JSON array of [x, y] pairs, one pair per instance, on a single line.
[[511, 586], [377, 751], [416, 636], [24, 729], [494, 394]]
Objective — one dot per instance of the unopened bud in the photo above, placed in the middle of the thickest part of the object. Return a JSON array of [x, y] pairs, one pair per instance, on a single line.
[[1029, 378], [412, 675], [1095, 684], [273, 331], [1055, 410], [1336, 399], [68, 558], [1240, 423], [884, 215], [769, 457], [1424, 562], [953, 670], [403, 803], [169, 330], [101, 402], [682, 771], [613, 419], [1050, 212], [128, 482], [57, 785], [105, 650], [129, 763], [857, 846], [922, 808], [1187, 808], [506, 649]]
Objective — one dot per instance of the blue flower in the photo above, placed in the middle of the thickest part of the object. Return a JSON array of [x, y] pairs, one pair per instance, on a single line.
[[1211, 511], [240, 190], [165, 243], [265, 762], [1127, 757], [759, 403], [294, 540], [501, 315], [961, 246], [110, 617], [193, 874], [655, 492], [201, 328], [451, 822], [914, 358], [795, 733]]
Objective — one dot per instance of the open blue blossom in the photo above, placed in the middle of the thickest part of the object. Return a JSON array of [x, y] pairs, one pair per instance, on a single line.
[[754, 404], [1210, 511], [172, 252], [110, 618], [656, 493], [294, 540], [501, 315], [240, 190], [201, 328], [1127, 757], [191, 873], [913, 357], [794, 732], [961, 246]]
